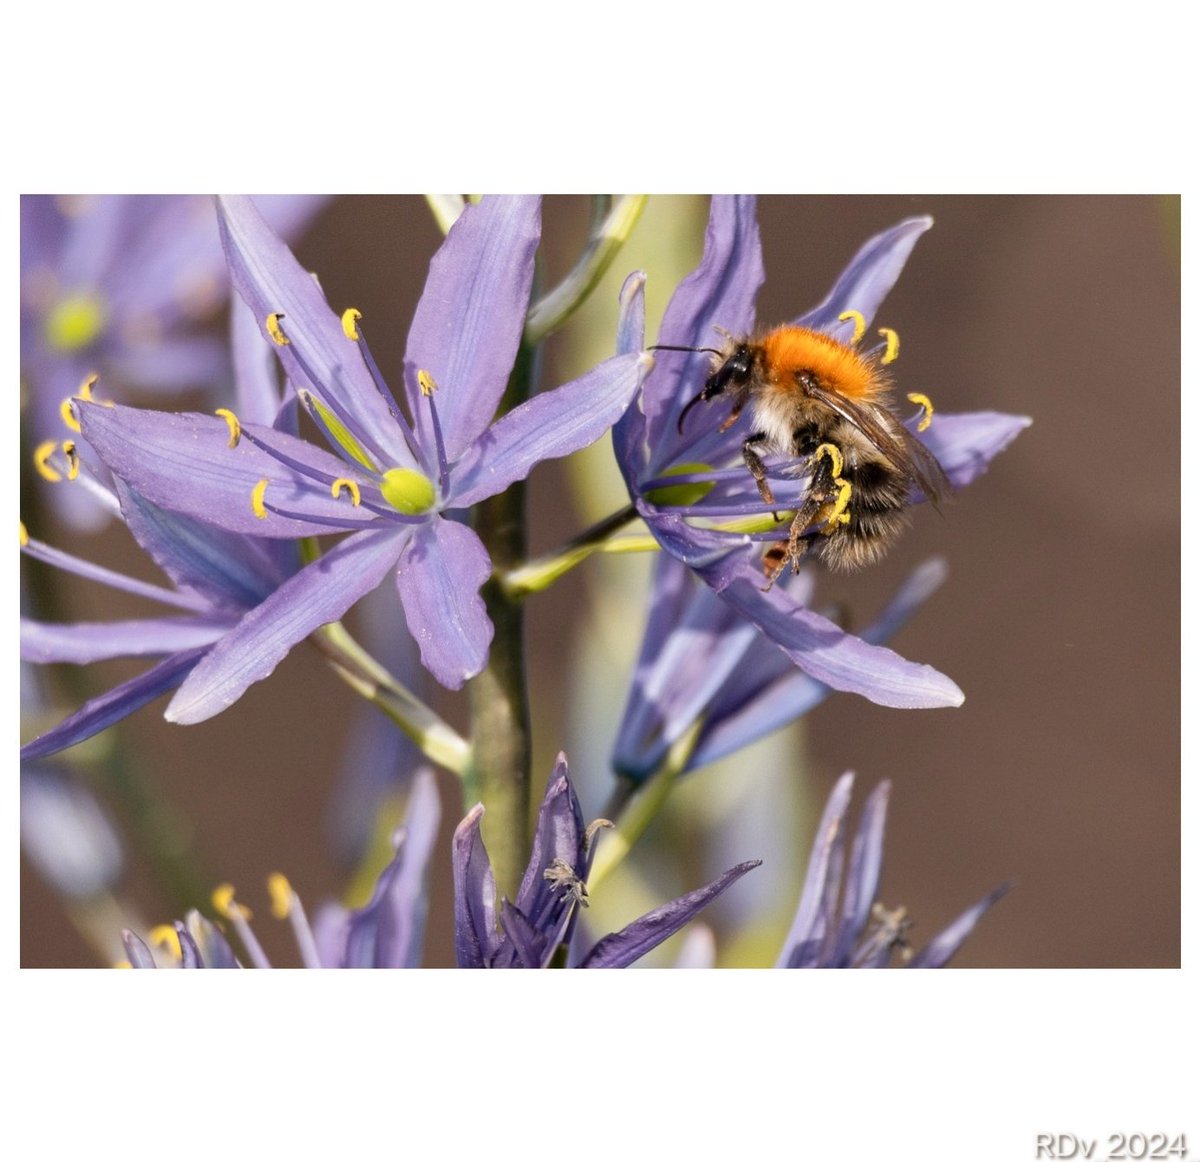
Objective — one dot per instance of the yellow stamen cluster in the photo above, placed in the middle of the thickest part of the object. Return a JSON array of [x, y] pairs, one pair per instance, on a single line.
[[860, 325], [227, 906], [350, 486], [893, 344], [350, 316], [256, 499], [926, 406], [235, 425], [275, 330]]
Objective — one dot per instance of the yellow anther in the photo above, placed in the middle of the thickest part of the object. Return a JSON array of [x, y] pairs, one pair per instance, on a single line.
[[926, 406], [235, 425], [165, 936], [281, 895], [122, 964], [834, 455], [893, 344], [350, 486], [227, 906], [41, 461], [860, 324], [68, 414], [275, 330], [24, 534], [256, 499], [350, 316], [85, 388], [68, 447], [426, 382]]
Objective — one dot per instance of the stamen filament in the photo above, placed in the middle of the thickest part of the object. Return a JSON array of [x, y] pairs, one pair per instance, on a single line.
[[428, 387], [381, 385], [237, 915]]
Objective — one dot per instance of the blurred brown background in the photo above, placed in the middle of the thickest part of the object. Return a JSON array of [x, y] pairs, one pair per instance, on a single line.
[[1060, 618]]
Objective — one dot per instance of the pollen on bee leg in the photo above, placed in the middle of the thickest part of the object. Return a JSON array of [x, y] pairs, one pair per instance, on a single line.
[[834, 455], [41, 461], [860, 325], [275, 330], [165, 936], [926, 406], [256, 499], [350, 486], [68, 449], [835, 514], [350, 316], [235, 425], [893, 345]]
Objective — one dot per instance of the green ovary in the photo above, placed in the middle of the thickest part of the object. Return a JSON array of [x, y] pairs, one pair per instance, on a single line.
[[74, 322], [407, 491], [681, 494]]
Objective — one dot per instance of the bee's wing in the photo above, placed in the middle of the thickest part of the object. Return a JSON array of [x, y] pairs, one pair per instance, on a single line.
[[904, 450]]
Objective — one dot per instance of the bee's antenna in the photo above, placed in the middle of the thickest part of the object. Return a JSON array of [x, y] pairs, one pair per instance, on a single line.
[[668, 347]]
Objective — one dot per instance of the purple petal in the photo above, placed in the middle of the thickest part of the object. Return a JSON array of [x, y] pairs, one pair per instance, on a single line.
[[558, 835], [183, 463], [440, 572], [229, 570], [965, 443], [528, 944], [255, 372], [208, 941], [135, 948], [943, 946], [119, 702], [622, 948], [631, 314], [468, 324], [862, 878], [271, 281], [475, 936], [804, 937], [551, 424], [872, 273], [83, 642], [171, 364], [317, 595], [720, 292], [767, 691], [388, 932]]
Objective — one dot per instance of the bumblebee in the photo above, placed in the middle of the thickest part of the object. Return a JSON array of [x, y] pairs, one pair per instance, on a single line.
[[826, 405]]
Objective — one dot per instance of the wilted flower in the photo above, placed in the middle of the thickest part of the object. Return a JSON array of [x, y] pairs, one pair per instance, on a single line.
[[702, 662], [686, 485], [528, 932], [859, 932], [119, 286], [392, 480], [388, 932]]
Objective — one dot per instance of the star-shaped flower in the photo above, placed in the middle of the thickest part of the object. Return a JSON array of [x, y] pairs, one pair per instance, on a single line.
[[396, 476], [688, 484]]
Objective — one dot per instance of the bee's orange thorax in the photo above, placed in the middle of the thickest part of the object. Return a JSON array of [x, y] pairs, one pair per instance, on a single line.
[[787, 350]]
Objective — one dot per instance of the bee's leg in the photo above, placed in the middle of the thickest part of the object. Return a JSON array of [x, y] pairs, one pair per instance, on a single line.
[[757, 468], [776, 558]]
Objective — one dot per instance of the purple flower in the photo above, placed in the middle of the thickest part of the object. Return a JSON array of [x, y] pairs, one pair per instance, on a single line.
[[528, 932], [858, 932], [395, 476], [120, 287], [702, 662], [388, 932], [218, 577], [679, 479]]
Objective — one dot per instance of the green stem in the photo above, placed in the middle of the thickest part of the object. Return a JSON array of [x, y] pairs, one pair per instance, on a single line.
[[439, 741], [500, 735]]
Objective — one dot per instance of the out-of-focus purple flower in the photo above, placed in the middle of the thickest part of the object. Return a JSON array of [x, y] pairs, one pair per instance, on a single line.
[[218, 578], [839, 923], [392, 479], [388, 932], [121, 286], [527, 932], [685, 485], [701, 661]]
